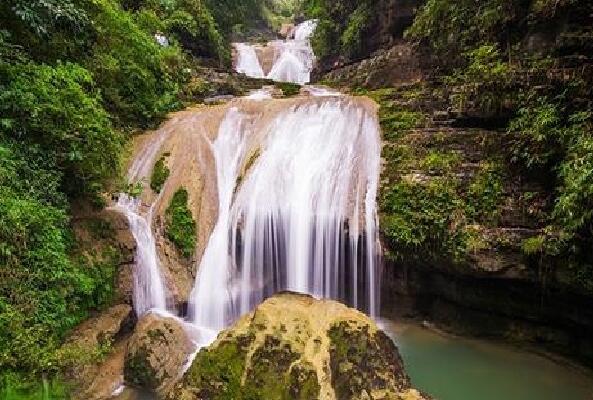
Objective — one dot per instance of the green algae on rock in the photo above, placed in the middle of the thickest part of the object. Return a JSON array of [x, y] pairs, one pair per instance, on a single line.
[[295, 347], [156, 354]]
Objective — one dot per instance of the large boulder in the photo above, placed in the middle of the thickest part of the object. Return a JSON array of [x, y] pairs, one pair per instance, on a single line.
[[296, 347], [156, 353]]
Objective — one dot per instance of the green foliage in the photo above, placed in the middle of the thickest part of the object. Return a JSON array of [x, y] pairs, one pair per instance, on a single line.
[[160, 173], [533, 245], [288, 89], [192, 24], [484, 81], [47, 29], [538, 130], [343, 22], [485, 192], [439, 162], [44, 291], [59, 110], [12, 387], [130, 67], [574, 206], [229, 13], [453, 27], [418, 216], [180, 226], [352, 37]]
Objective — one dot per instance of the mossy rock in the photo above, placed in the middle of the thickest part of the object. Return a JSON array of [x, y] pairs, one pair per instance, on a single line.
[[293, 347], [156, 353]]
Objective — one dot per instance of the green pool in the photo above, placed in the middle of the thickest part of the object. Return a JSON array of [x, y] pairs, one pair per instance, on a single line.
[[452, 368]]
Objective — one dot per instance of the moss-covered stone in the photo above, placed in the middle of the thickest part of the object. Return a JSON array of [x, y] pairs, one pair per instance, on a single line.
[[288, 89], [281, 352], [216, 373], [139, 372], [363, 362], [156, 353]]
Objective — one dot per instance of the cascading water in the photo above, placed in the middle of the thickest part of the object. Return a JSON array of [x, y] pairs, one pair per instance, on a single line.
[[294, 58], [149, 290], [210, 298], [303, 218], [247, 61]]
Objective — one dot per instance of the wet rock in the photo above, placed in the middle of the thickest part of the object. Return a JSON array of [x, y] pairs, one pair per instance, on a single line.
[[94, 375], [296, 347], [105, 328], [156, 354], [286, 30]]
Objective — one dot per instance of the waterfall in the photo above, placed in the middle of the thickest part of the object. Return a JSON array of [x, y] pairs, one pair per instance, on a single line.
[[247, 61], [294, 58], [210, 299], [302, 218], [149, 289]]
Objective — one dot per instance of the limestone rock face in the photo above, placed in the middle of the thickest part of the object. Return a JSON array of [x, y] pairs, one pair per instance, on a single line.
[[296, 347], [156, 353]]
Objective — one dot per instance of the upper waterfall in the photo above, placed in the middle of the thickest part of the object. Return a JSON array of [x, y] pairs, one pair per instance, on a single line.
[[293, 58]]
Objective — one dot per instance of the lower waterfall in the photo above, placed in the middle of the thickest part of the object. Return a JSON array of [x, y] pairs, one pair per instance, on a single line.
[[149, 290], [302, 217]]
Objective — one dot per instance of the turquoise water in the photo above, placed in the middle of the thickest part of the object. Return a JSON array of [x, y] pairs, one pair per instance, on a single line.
[[452, 368]]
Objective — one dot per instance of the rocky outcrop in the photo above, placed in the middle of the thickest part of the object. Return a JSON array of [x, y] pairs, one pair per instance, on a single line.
[[388, 67], [296, 347], [156, 354], [96, 375]]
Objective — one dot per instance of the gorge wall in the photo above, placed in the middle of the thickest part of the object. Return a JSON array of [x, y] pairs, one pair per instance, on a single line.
[[463, 220]]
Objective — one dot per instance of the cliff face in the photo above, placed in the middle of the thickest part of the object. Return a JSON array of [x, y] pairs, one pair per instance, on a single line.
[[463, 221]]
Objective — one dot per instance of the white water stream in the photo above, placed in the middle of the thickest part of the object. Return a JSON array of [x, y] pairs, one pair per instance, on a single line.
[[149, 290], [304, 217], [293, 58]]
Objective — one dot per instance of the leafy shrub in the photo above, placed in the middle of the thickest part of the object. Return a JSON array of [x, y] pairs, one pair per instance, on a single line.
[[351, 39], [419, 216], [59, 110], [130, 67], [47, 29], [574, 206], [342, 26], [485, 80], [485, 192], [43, 290], [288, 89], [180, 226], [160, 173]]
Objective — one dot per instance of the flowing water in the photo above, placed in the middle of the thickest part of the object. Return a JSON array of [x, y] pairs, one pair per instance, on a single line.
[[296, 210], [304, 216], [149, 290], [293, 59], [247, 61]]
